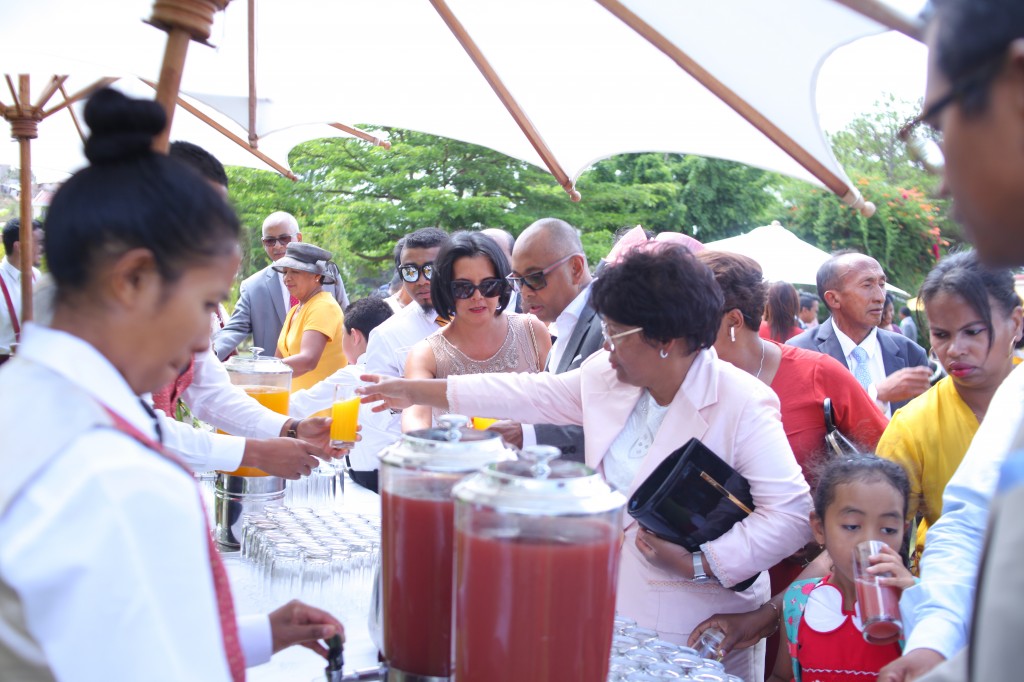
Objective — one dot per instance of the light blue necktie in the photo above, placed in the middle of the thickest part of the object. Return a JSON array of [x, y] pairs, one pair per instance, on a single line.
[[861, 372]]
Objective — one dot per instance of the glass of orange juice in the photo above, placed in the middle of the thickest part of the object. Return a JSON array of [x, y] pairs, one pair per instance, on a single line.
[[481, 423], [344, 417]]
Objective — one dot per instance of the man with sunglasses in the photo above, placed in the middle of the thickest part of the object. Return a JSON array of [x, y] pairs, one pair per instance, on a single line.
[[390, 342], [263, 300], [551, 274], [973, 103]]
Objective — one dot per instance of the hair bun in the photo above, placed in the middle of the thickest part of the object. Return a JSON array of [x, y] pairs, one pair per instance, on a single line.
[[121, 128]]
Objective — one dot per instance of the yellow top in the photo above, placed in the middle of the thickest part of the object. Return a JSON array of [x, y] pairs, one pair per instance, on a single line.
[[929, 436], [321, 313]]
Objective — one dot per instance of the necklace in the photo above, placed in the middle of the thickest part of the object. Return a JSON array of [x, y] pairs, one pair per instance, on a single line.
[[761, 366]]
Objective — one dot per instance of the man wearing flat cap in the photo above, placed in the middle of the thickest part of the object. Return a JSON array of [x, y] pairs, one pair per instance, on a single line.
[[263, 300]]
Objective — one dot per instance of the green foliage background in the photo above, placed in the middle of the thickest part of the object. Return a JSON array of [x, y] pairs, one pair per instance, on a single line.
[[357, 200]]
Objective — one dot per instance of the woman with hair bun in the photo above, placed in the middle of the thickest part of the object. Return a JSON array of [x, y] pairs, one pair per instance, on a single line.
[[107, 569]]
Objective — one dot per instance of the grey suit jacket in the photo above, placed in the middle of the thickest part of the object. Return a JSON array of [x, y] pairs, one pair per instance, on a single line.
[[260, 312], [584, 341], [897, 350]]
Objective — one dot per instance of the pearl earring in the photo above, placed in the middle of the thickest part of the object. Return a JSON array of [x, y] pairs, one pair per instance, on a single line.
[[732, 334]]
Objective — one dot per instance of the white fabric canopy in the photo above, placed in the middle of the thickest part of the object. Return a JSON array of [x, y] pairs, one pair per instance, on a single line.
[[781, 254], [591, 85]]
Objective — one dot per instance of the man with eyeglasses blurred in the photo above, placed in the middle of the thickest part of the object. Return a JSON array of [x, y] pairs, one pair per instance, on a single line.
[[391, 341], [263, 300], [550, 272], [967, 606]]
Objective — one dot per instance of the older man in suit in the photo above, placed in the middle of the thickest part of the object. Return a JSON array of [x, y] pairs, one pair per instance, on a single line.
[[891, 368], [263, 300], [550, 272]]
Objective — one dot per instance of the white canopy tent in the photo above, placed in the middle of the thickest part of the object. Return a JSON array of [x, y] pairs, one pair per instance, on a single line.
[[781, 254]]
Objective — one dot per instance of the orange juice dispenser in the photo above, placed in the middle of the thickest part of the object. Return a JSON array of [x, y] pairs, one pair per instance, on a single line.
[[247, 489]]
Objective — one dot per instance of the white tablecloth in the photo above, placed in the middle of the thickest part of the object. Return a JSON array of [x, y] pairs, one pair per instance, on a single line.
[[298, 664]]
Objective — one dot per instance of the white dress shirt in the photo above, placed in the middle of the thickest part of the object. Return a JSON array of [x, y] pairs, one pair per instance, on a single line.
[[391, 340], [12, 278], [379, 429], [106, 547], [876, 363], [937, 611], [213, 399]]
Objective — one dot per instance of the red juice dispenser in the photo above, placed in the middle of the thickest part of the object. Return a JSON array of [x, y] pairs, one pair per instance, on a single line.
[[417, 475], [536, 567]]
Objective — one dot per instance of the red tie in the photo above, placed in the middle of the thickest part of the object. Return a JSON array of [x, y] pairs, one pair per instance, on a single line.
[[292, 302], [221, 587], [167, 398]]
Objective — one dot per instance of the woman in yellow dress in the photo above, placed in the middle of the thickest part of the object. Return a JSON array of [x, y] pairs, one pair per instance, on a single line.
[[974, 319], [310, 340]]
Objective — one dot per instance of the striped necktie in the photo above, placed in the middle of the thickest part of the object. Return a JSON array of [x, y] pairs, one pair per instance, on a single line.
[[861, 372]]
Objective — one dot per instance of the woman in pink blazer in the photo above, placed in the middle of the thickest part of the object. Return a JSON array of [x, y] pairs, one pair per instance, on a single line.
[[656, 384]]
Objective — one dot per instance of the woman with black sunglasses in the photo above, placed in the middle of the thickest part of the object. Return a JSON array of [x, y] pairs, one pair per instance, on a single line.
[[469, 290]]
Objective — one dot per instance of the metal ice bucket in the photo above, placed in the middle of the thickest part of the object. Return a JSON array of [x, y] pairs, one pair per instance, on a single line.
[[235, 496]]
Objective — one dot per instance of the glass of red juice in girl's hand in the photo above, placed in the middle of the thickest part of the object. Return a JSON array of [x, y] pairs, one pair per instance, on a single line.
[[879, 604]]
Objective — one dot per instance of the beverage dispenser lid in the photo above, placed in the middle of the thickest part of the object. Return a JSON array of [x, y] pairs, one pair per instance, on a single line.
[[257, 364], [540, 483], [452, 446]]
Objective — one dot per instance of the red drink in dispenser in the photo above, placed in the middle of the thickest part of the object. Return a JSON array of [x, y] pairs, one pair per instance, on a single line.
[[536, 565], [417, 475], [417, 587]]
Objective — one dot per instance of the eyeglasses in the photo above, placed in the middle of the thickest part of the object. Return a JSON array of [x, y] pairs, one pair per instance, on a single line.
[[536, 280], [410, 272], [609, 339], [489, 288], [283, 240], [923, 140]]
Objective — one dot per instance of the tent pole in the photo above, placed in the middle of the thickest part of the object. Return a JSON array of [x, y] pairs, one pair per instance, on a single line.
[[888, 17], [361, 134], [520, 117], [834, 183], [183, 21]]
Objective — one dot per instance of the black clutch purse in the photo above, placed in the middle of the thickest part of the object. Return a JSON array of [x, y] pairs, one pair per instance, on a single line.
[[692, 497]]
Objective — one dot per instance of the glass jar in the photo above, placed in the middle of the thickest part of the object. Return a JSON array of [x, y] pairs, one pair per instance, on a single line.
[[536, 562], [268, 380], [417, 475]]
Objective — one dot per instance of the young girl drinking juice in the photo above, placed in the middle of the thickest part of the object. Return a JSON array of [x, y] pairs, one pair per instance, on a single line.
[[857, 499]]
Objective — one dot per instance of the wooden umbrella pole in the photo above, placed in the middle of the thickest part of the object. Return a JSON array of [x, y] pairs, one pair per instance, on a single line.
[[520, 117], [24, 127], [81, 94], [170, 82], [231, 136], [361, 134], [254, 137], [834, 183], [887, 16], [183, 20]]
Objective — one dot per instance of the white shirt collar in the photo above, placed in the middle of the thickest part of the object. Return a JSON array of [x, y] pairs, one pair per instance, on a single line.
[[565, 323], [81, 364], [869, 344]]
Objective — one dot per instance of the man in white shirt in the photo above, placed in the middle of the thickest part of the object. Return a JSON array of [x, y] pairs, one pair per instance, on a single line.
[[891, 368], [391, 341], [973, 95], [808, 315], [10, 281], [550, 272], [377, 429]]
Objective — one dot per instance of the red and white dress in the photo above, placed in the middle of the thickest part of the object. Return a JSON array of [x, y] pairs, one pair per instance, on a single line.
[[830, 644]]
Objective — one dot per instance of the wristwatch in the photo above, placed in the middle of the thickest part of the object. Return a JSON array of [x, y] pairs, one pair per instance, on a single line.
[[699, 576]]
